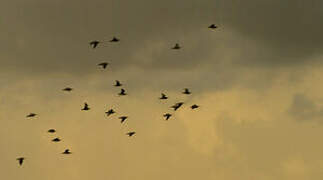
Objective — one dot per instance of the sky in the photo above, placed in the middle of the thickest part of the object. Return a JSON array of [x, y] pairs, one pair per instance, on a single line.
[[257, 80]]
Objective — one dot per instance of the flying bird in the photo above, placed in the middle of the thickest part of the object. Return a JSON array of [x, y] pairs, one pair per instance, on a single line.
[[114, 39], [67, 151], [167, 116], [186, 91], [213, 26], [111, 111], [68, 89], [31, 115], [131, 133], [163, 96], [56, 140], [123, 118], [104, 65], [86, 107], [51, 131], [94, 43], [176, 46], [20, 160], [194, 106], [122, 92], [177, 105], [117, 84]]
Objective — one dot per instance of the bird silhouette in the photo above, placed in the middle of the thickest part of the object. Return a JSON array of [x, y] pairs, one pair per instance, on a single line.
[[186, 91], [31, 115], [213, 26], [194, 106], [94, 43], [104, 65], [86, 107], [68, 89], [131, 133], [177, 105], [114, 39], [20, 160], [122, 92], [163, 96], [67, 151], [56, 140], [51, 131], [117, 84], [176, 46], [109, 112], [167, 116], [123, 118]]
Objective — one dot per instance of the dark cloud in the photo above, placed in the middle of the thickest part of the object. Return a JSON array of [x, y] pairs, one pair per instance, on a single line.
[[53, 37], [305, 109], [292, 28]]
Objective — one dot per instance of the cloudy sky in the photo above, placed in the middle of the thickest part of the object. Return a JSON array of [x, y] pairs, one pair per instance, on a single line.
[[257, 78]]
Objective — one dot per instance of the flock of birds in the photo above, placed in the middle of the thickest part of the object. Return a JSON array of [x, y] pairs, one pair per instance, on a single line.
[[94, 44]]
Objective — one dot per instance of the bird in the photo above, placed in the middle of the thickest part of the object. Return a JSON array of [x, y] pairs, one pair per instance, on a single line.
[[167, 116], [177, 105], [67, 151], [114, 39], [68, 89], [186, 91], [31, 115], [51, 131], [103, 64], [122, 92], [194, 106], [86, 107], [20, 160], [176, 46], [131, 133], [94, 43], [163, 96], [213, 26], [117, 84], [56, 140], [109, 112], [123, 118]]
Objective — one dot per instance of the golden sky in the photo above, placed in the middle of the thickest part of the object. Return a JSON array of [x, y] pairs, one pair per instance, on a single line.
[[257, 78]]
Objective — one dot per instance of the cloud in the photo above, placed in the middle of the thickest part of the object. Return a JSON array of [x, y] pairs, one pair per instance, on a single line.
[[52, 37], [304, 109]]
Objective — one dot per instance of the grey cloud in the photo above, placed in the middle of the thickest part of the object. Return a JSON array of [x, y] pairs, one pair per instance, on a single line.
[[304, 109], [52, 36]]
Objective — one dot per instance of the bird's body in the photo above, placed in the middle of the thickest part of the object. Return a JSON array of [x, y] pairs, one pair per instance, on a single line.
[[186, 91], [94, 43], [131, 133], [117, 84], [213, 26], [68, 89], [177, 46], [122, 92], [177, 105], [51, 131], [67, 151], [103, 64], [20, 160], [114, 39], [167, 116], [31, 115], [123, 118], [86, 107], [109, 112], [163, 96], [56, 140], [194, 106]]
